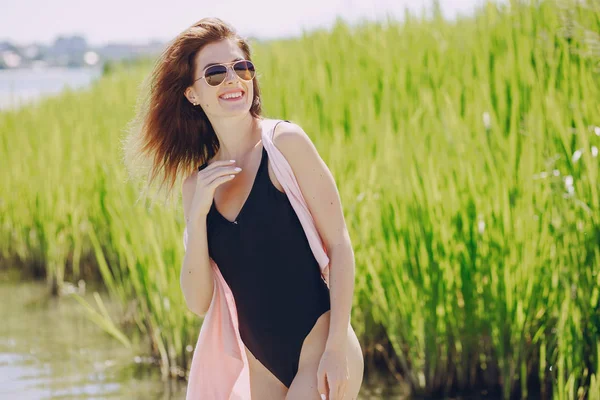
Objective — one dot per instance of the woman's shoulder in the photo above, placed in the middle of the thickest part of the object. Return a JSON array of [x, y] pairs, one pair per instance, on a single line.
[[286, 128], [279, 124]]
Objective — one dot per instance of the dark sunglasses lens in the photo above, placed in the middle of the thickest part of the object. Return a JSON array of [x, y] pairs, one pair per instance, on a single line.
[[244, 69], [215, 75]]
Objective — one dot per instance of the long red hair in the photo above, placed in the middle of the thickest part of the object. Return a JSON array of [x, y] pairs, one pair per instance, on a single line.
[[168, 134]]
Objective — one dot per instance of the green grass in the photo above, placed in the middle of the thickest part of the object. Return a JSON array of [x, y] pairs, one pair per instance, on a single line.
[[466, 156]]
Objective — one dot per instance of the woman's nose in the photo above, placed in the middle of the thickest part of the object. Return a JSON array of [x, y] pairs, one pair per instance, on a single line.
[[231, 75]]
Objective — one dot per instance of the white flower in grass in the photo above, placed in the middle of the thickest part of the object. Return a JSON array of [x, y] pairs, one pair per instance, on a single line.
[[594, 151], [487, 120], [568, 180], [597, 130], [577, 155], [569, 184]]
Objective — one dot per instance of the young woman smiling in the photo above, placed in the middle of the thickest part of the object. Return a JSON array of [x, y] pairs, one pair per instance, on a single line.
[[243, 235]]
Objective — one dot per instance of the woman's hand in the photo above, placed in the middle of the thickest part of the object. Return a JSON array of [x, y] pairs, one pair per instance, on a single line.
[[333, 374], [207, 181]]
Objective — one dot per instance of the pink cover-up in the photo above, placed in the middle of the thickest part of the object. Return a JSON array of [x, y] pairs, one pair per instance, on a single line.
[[219, 369]]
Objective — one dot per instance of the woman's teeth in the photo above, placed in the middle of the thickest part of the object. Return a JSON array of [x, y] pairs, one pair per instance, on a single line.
[[232, 95]]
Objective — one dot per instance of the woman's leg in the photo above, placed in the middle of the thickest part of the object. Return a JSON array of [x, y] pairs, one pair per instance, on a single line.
[[304, 385], [263, 384]]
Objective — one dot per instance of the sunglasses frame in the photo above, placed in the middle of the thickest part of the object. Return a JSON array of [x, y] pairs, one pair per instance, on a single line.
[[228, 66]]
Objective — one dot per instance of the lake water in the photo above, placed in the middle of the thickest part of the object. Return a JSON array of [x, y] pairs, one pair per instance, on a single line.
[[19, 87], [49, 349]]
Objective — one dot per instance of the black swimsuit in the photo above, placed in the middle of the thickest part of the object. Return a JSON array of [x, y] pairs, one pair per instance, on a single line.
[[265, 258]]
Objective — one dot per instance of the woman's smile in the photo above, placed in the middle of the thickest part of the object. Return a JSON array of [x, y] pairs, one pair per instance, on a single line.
[[232, 96]]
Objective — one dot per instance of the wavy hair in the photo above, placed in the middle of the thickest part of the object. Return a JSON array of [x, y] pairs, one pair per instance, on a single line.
[[169, 135]]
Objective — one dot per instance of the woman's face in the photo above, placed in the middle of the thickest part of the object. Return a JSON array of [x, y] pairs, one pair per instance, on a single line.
[[210, 97]]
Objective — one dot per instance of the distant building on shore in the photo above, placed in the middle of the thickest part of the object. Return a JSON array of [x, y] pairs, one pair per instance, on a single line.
[[70, 51]]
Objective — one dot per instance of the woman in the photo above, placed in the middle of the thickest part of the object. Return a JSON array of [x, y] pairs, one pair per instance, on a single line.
[[296, 330]]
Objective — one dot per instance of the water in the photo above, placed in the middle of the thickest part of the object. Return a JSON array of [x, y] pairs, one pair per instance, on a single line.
[[20, 87], [49, 349]]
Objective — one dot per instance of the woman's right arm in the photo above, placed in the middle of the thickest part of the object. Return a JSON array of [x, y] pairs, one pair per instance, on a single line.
[[197, 278]]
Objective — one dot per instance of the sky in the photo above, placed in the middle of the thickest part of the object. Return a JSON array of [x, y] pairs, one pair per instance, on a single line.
[[138, 21]]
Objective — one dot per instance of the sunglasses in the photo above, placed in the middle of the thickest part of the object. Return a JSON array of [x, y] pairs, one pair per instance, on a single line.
[[216, 74]]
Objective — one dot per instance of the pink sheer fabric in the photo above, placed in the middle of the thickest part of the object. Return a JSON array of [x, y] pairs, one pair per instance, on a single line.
[[219, 367]]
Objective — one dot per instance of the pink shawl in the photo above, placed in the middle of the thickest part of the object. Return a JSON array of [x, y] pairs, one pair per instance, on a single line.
[[219, 369]]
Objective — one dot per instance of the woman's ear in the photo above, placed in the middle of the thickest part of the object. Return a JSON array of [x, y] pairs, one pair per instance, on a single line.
[[189, 94]]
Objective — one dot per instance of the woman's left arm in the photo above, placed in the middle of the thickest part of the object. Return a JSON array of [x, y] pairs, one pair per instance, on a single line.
[[322, 197]]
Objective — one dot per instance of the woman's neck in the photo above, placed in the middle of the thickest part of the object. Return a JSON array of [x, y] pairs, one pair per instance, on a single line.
[[237, 137]]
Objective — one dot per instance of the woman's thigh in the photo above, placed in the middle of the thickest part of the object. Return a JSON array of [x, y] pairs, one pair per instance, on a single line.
[[304, 386], [263, 384]]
